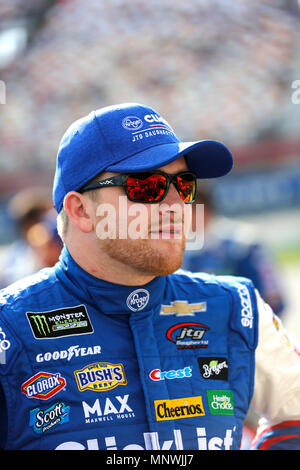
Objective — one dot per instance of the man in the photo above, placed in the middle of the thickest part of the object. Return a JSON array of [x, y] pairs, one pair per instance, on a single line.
[[109, 349]]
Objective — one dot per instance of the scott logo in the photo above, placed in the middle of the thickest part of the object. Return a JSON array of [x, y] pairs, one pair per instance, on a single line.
[[43, 385], [132, 123], [41, 421], [138, 300]]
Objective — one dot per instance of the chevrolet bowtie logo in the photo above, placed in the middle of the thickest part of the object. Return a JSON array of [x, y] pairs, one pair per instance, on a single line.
[[182, 307]]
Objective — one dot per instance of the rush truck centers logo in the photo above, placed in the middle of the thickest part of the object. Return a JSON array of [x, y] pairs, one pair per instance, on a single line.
[[100, 377], [179, 408], [43, 385]]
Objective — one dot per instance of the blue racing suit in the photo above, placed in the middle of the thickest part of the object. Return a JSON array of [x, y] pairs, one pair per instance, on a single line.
[[88, 364]]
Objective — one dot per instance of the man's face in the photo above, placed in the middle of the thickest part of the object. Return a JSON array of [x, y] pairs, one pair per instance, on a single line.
[[149, 238]]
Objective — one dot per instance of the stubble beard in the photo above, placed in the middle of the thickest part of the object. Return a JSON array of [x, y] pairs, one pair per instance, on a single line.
[[148, 257]]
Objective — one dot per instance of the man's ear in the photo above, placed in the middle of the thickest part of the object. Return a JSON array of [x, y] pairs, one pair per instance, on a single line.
[[79, 210]]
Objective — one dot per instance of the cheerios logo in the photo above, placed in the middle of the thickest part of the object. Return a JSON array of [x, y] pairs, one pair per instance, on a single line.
[[138, 300]]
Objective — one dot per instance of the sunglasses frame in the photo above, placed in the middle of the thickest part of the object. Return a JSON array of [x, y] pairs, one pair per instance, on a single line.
[[121, 180]]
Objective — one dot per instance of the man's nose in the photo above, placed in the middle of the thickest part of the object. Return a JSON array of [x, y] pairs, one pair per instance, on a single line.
[[173, 197]]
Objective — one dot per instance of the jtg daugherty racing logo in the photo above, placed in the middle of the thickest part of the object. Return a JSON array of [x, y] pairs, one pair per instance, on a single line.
[[223, 441], [190, 335]]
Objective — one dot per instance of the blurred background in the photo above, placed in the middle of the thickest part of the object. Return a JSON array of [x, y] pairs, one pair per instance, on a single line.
[[228, 70]]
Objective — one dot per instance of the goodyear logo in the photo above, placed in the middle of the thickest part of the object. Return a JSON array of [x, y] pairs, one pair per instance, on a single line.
[[179, 408], [100, 377]]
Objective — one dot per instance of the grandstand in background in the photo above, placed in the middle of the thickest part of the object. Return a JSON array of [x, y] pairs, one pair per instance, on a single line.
[[219, 69]]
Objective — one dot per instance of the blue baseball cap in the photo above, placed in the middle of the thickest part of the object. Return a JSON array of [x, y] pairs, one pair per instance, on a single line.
[[128, 138]]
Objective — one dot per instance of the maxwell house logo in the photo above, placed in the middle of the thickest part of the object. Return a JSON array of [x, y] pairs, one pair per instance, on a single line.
[[43, 385], [100, 377]]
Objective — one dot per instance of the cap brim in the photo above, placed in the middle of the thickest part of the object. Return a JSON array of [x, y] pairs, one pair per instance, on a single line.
[[205, 158]]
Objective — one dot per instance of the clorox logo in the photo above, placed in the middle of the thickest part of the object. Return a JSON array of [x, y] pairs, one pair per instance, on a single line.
[[100, 377], [138, 299], [132, 123], [43, 385]]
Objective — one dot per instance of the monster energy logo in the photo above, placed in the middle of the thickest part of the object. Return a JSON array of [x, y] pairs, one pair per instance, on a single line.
[[41, 324], [63, 322]]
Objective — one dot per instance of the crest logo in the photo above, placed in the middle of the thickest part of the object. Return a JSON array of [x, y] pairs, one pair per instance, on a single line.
[[138, 300], [132, 123], [100, 377]]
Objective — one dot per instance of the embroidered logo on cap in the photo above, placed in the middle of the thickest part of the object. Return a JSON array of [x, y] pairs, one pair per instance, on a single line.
[[132, 123]]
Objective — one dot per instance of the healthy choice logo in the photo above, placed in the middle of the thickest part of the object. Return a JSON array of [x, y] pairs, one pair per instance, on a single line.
[[61, 322], [220, 402]]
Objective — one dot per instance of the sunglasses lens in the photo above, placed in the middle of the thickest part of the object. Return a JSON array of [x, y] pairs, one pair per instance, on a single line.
[[187, 187], [146, 187]]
